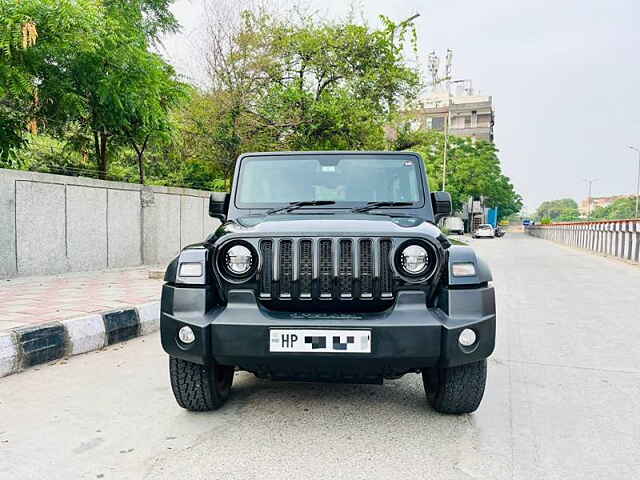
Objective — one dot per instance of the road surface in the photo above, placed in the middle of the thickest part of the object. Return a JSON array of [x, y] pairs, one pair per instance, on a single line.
[[562, 400]]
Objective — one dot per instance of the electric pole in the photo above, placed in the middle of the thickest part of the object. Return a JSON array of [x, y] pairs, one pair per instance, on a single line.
[[638, 181]]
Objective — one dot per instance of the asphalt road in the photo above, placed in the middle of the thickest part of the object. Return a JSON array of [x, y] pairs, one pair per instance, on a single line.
[[562, 400]]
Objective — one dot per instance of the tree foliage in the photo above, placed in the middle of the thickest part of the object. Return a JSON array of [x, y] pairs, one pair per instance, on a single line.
[[32, 32], [620, 209], [278, 84], [473, 169], [562, 210], [91, 71]]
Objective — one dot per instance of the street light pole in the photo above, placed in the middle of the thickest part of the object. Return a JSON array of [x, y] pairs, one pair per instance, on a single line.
[[638, 182], [446, 145], [590, 182]]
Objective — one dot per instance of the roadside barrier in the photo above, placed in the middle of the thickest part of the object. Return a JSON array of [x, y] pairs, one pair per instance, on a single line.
[[615, 238], [28, 346]]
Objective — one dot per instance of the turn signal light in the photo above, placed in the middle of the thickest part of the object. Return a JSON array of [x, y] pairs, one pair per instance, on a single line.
[[463, 270]]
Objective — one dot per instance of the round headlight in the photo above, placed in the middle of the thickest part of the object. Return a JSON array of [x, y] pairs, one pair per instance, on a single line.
[[414, 259], [238, 260]]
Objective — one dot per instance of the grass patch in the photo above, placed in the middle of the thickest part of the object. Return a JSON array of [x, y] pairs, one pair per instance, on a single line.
[[457, 242]]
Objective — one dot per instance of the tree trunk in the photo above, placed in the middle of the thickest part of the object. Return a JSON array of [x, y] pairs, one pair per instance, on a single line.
[[96, 146], [141, 166], [100, 141], [140, 154]]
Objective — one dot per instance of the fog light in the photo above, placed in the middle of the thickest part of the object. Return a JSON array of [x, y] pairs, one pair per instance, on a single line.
[[467, 337], [186, 335]]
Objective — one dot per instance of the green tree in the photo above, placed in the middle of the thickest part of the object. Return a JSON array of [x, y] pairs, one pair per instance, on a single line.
[[32, 33], [569, 215], [95, 73], [338, 83], [146, 114], [304, 85], [620, 209], [473, 169], [118, 92], [565, 209]]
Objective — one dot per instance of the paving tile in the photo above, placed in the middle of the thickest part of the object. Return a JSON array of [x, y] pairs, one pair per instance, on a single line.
[[7, 324], [42, 299]]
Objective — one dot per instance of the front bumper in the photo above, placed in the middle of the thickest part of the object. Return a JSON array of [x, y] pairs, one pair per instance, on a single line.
[[407, 337]]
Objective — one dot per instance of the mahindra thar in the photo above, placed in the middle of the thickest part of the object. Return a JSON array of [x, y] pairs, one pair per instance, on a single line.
[[329, 267]]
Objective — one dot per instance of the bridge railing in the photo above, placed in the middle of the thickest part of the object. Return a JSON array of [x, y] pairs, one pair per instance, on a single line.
[[616, 238]]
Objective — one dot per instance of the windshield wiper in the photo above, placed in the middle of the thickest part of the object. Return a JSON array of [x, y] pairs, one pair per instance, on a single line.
[[373, 205], [302, 203]]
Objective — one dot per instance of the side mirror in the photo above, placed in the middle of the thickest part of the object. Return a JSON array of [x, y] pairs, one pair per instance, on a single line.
[[442, 205], [219, 205]]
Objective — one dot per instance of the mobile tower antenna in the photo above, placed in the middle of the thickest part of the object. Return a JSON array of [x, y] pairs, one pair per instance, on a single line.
[[436, 80]]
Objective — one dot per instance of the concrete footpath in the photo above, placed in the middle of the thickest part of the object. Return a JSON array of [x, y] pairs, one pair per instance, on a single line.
[[43, 319]]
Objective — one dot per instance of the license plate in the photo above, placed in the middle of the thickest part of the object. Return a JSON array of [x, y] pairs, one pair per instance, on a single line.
[[320, 341]]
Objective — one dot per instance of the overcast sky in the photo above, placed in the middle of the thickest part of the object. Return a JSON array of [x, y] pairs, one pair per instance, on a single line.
[[564, 76]]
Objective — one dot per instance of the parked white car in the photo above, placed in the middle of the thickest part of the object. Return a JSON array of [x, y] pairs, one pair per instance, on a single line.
[[454, 225], [484, 231]]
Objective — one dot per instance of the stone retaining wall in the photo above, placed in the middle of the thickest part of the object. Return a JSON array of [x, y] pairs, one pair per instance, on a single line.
[[53, 223]]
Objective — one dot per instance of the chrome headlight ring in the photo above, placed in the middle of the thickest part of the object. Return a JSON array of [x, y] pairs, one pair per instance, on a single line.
[[416, 260], [237, 260]]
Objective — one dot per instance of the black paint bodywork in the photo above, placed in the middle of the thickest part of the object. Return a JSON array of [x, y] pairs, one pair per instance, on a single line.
[[417, 328]]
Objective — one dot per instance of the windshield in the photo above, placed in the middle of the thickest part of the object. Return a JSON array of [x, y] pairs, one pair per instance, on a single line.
[[348, 180]]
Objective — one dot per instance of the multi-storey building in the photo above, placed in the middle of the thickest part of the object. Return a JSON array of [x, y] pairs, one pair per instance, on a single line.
[[590, 204], [465, 115]]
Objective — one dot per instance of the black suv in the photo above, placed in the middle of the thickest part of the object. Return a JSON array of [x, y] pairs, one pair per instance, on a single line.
[[328, 266]]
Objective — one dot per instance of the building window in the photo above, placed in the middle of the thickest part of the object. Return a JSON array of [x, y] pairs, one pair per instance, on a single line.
[[437, 123], [484, 120], [456, 122]]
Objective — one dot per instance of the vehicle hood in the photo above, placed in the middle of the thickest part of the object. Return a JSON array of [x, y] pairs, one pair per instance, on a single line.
[[319, 224]]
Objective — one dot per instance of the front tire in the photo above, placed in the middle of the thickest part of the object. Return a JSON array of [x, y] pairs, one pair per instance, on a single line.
[[456, 389], [200, 388]]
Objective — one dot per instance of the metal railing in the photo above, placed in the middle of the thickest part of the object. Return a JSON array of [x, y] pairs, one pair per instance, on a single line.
[[615, 238]]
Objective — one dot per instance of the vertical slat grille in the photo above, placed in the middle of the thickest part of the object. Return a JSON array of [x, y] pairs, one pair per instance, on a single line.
[[386, 275], [305, 274], [285, 268], [267, 269], [345, 269], [325, 268], [366, 269]]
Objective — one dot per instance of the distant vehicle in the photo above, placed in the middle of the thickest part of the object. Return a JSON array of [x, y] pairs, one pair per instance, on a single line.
[[500, 232], [526, 222], [453, 225], [484, 231]]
